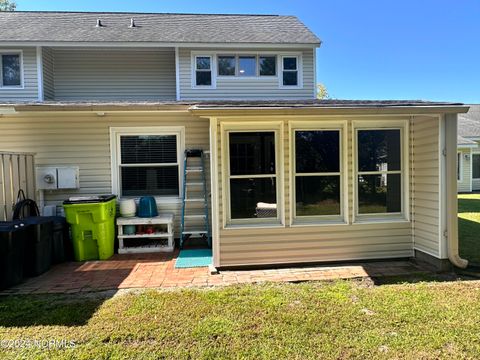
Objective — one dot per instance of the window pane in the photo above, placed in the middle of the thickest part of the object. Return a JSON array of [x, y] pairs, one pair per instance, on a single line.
[[252, 153], [317, 151], [140, 181], [379, 150], [226, 65], [290, 78], [204, 78], [246, 196], [317, 195], [203, 63], [145, 149], [289, 63], [379, 194], [247, 66], [268, 65], [476, 166], [459, 159], [11, 70]]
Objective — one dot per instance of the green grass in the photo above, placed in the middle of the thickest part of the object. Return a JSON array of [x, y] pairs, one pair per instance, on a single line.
[[469, 227], [343, 319]]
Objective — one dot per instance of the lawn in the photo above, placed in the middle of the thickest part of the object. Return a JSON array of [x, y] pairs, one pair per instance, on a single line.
[[328, 320], [469, 227]]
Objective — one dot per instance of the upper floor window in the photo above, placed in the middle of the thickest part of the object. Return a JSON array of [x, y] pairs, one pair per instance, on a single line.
[[203, 70], [10, 70], [247, 65], [290, 71]]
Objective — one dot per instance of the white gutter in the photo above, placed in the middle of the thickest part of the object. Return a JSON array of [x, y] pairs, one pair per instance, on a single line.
[[451, 191]]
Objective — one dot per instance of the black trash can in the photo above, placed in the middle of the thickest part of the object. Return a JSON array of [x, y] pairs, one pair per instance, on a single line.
[[38, 246], [62, 249], [12, 240]]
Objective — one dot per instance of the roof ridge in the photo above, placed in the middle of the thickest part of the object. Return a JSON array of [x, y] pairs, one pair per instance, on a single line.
[[138, 13]]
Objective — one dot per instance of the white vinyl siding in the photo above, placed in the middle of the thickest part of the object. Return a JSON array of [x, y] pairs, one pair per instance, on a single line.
[[425, 184], [29, 89], [246, 88], [113, 74], [83, 139], [48, 73], [465, 182]]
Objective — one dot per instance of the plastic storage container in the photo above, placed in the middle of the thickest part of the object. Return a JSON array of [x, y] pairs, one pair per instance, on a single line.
[[61, 245], [92, 222], [12, 240], [38, 245]]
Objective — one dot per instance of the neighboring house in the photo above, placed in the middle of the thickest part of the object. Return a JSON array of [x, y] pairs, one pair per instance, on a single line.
[[122, 95], [468, 163]]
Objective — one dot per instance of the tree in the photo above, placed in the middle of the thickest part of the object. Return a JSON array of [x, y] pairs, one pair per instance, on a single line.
[[322, 92], [7, 5]]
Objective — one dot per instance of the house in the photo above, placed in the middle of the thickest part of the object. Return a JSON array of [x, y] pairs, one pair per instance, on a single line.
[[468, 163], [293, 180]]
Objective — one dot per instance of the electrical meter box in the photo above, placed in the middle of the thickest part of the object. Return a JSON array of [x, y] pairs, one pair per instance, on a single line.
[[53, 178]]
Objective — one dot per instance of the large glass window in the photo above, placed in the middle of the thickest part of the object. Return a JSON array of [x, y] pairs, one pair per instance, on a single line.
[[253, 175], [226, 65], [379, 171], [317, 172], [203, 71], [149, 165], [10, 69], [476, 166], [267, 65], [247, 66]]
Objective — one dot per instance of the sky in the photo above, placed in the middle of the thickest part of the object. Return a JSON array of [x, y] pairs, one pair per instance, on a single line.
[[404, 49]]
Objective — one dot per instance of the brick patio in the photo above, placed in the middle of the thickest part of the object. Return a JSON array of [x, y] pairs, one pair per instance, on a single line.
[[158, 271]]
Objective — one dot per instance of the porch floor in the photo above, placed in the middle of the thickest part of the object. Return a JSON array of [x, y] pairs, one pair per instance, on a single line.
[[158, 271]]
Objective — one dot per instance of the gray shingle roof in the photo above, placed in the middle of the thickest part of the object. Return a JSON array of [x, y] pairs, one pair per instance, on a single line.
[[469, 123], [161, 28]]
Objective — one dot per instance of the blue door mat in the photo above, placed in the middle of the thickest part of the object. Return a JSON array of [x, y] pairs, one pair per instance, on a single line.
[[193, 258]]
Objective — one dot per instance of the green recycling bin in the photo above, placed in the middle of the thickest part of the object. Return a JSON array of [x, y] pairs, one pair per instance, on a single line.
[[92, 221]]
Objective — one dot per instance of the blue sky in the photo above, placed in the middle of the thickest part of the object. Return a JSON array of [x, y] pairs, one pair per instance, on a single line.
[[423, 49]]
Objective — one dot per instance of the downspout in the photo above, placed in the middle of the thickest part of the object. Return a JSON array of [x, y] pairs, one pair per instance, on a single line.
[[451, 191]]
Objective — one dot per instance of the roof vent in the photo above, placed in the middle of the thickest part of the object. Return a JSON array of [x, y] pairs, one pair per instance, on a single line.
[[132, 23], [99, 23]]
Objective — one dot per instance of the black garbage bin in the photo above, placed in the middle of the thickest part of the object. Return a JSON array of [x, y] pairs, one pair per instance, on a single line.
[[38, 245], [12, 240], [62, 249]]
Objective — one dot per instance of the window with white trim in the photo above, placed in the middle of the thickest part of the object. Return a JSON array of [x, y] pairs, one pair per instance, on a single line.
[[379, 171], [147, 163], [252, 180], [203, 70], [10, 69], [247, 65], [317, 173], [290, 71]]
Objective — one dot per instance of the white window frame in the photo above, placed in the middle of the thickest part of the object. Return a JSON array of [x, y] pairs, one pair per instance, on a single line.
[[460, 166], [115, 151], [257, 57], [340, 126], [403, 126], [277, 128], [213, 70], [474, 154], [22, 83], [299, 71]]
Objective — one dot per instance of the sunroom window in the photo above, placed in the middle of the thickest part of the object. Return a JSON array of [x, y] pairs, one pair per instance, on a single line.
[[252, 175], [317, 175], [476, 166], [149, 165], [10, 70], [379, 171]]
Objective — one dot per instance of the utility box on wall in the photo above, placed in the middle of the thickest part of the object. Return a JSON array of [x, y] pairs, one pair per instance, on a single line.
[[53, 178]]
